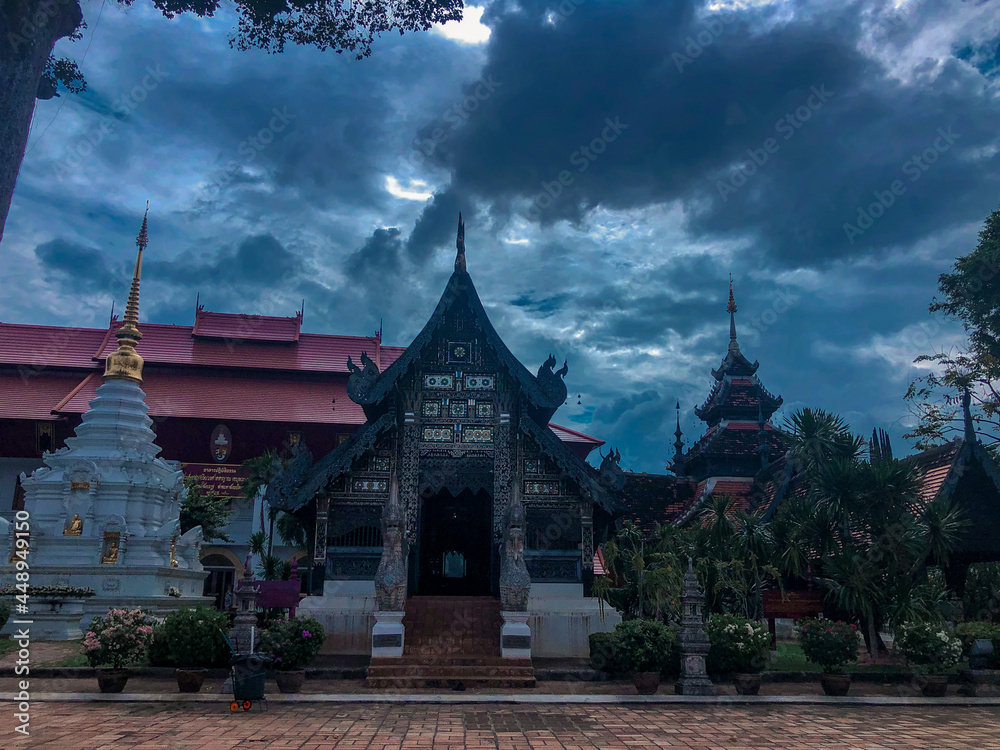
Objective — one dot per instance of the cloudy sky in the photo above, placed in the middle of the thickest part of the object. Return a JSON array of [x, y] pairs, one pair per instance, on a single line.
[[615, 162]]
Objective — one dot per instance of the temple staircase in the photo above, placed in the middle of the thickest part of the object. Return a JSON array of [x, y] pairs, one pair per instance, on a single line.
[[451, 642]]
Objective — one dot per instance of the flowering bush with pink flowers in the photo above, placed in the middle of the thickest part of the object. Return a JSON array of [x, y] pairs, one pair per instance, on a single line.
[[118, 639], [827, 643], [292, 643]]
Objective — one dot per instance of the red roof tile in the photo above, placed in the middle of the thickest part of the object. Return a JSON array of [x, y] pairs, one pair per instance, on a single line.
[[246, 327], [32, 395], [572, 436], [37, 347], [51, 346], [228, 397]]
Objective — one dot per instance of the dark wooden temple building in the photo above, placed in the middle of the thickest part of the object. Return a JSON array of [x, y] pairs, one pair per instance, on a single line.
[[456, 461], [739, 440]]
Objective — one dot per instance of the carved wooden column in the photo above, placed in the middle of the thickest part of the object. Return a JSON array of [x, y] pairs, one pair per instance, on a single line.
[[408, 456], [504, 454]]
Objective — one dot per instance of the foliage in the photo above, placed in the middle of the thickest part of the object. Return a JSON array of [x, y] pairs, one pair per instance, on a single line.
[[970, 632], [603, 647], [118, 639], [191, 639], [738, 644], [61, 71], [260, 471], [292, 643], [971, 294], [4, 612], [643, 646], [981, 598], [930, 647], [205, 509], [861, 531], [830, 644], [51, 592]]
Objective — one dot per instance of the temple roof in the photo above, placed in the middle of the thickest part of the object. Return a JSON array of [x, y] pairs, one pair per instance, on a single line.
[[246, 327], [544, 393], [735, 397]]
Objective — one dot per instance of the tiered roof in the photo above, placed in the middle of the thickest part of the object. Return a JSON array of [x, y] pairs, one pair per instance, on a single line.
[[740, 438]]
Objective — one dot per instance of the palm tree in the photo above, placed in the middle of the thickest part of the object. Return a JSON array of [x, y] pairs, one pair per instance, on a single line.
[[816, 436]]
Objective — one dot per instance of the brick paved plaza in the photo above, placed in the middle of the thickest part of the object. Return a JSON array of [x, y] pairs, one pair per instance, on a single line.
[[210, 726]]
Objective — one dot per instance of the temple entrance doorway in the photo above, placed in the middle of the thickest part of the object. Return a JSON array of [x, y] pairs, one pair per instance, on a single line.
[[455, 551]]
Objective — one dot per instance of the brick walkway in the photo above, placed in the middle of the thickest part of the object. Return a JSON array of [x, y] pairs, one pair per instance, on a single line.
[[405, 727]]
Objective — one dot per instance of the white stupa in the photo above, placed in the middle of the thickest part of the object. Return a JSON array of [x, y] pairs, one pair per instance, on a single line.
[[104, 510]]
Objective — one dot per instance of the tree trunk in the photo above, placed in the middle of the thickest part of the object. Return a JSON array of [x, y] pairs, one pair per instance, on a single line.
[[872, 637], [29, 30]]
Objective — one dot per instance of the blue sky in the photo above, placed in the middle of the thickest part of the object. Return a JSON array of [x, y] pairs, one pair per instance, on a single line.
[[614, 161]]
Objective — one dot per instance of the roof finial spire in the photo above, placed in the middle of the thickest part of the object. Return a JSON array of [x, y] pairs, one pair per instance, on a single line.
[[125, 363], [731, 309], [460, 245], [678, 443], [970, 431]]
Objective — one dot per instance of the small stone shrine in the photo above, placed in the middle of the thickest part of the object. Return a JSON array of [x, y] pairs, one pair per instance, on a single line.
[[694, 640]]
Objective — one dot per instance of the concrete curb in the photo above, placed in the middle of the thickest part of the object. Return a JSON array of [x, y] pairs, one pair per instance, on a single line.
[[522, 698]]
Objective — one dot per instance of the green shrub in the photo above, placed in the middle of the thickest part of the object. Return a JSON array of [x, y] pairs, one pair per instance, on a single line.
[[738, 645], [191, 639], [643, 646], [929, 647], [829, 644], [293, 643], [4, 612], [602, 651]]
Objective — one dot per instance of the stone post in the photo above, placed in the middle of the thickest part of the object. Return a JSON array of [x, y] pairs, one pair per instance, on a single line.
[[245, 632], [694, 640]]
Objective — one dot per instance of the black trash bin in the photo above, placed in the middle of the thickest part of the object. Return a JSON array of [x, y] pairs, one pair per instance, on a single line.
[[249, 672]]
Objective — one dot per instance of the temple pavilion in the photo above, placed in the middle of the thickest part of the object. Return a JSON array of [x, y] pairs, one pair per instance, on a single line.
[[455, 489]]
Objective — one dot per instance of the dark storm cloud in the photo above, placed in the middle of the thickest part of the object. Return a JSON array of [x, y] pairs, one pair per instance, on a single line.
[[379, 256], [77, 268], [690, 122], [258, 261]]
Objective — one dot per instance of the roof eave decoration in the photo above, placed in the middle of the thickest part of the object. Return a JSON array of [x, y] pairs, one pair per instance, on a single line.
[[335, 463], [577, 469], [125, 363], [545, 392]]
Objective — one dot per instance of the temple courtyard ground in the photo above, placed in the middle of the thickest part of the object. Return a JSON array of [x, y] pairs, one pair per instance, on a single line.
[[387, 726]]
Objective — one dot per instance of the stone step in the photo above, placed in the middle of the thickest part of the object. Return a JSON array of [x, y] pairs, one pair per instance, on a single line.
[[472, 670], [449, 683], [464, 660]]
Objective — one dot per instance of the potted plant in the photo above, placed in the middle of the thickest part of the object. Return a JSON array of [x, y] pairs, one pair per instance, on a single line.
[[190, 641], [643, 648], [932, 650], [114, 642], [831, 645], [739, 647], [292, 644]]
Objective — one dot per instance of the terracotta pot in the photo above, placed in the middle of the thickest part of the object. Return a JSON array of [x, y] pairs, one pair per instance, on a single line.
[[112, 680], [646, 683], [747, 684], [290, 681], [190, 680], [934, 685], [835, 684]]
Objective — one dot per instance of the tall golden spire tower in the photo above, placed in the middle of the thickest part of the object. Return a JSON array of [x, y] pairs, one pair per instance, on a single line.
[[125, 363]]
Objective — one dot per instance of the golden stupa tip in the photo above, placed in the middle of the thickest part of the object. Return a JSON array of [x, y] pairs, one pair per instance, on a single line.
[[125, 363]]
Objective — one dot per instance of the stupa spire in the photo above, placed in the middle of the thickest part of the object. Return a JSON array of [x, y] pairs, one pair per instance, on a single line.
[[731, 309], [678, 443], [125, 363], [460, 245]]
